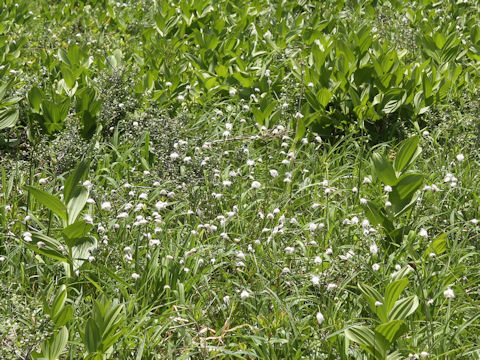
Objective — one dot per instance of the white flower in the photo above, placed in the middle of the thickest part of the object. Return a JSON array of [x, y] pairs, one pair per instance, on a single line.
[[245, 294], [161, 205], [425, 133], [174, 156], [378, 303], [449, 294], [320, 317], [180, 98], [329, 251], [143, 196], [423, 233], [332, 286], [387, 188], [273, 173], [256, 184], [354, 190], [474, 221], [226, 299], [42, 181], [315, 280], [298, 115], [232, 92], [106, 205], [317, 260], [135, 276], [460, 157], [366, 180], [375, 267], [388, 204], [424, 354], [363, 201], [373, 249], [289, 250]]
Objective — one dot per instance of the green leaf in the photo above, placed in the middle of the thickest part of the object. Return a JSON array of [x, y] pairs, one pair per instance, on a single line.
[[372, 342], [74, 178], [372, 296], [64, 316], [92, 336], [50, 247], [78, 229], [384, 169], [377, 216], [76, 204], [403, 308], [402, 195], [324, 96], [67, 76], [438, 246], [49, 201], [408, 152], [56, 344], [393, 291], [58, 302], [8, 117], [35, 97], [392, 330]]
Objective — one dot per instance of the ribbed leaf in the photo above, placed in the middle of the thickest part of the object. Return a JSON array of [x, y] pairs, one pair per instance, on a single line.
[[392, 330], [407, 153], [49, 201], [393, 291], [384, 169], [403, 308]]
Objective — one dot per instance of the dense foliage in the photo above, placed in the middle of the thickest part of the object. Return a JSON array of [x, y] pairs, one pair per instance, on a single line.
[[239, 179]]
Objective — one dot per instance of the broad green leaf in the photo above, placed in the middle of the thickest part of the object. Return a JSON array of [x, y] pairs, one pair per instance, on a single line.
[[408, 184], [57, 343], [407, 153], [67, 76], [58, 302], [377, 216], [372, 296], [403, 308], [372, 342], [81, 250], [324, 96], [8, 117], [438, 246], [49, 247], [64, 316], [35, 97], [49, 201], [78, 229], [393, 291], [392, 330], [76, 204], [74, 178], [92, 336], [384, 169], [396, 355]]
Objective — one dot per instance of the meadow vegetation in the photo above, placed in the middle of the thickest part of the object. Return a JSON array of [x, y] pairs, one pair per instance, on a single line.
[[226, 179]]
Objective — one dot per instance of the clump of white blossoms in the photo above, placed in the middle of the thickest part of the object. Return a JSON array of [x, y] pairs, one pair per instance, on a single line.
[[106, 205], [320, 317], [460, 157], [449, 294], [245, 294], [256, 184]]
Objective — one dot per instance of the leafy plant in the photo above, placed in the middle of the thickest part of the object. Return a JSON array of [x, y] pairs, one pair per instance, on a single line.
[[77, 244], [391, 312], [402, 185]]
